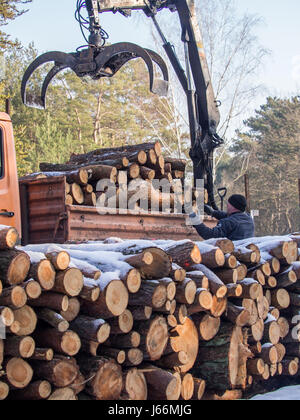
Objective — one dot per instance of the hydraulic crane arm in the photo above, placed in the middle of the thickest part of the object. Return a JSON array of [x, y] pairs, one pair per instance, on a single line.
[[98, 60]]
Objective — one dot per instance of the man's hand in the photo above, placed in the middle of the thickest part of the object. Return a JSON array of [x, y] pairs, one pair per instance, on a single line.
[[208, 210]]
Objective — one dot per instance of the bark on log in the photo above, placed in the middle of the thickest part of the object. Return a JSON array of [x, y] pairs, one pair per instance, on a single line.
[[135, 385], [90, 291], [22, 347], [223, 360], [185, 254], [122, 324], [212, 257], [153, 263], [14, 267], [54, 301], [151, 293], [199, 278], [91, 329], [60, 372], [36, 391], [199, 389], [208, 326], [8, 238], [216, 286], [162, 385], [141, 313], [40, 354], [112, 302], [53, 319], [281, 299], [105, 378], [125, 341], [237, 315], [203, 302], [44, 273], [67, 343], [186, 292]]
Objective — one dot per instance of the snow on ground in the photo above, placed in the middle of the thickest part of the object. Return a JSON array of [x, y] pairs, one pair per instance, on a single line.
[[290, 393]]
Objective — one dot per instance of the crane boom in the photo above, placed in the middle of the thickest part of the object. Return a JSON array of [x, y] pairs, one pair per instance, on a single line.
[[98, 60]]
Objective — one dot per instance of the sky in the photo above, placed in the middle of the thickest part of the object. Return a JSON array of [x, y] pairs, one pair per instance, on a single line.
[[51, 25]]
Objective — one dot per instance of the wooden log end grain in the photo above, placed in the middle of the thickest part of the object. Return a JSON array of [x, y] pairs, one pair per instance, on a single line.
[[19, 373], [6, 316], [69, 282], [155, 334], [44, 273], [4, 391], [8, 238], [135, 385], [14, 266], [207, 325], [59, 259], [63, 394], [187, 387], [27, 319]]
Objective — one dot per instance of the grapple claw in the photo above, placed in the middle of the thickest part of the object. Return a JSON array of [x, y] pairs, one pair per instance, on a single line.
[[96, 63], [61, 60], [116, 55]]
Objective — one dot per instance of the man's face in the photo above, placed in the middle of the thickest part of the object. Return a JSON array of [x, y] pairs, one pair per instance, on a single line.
[[230, 209]]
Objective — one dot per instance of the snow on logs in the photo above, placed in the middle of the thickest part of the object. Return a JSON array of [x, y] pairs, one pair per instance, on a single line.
[[139, 319]]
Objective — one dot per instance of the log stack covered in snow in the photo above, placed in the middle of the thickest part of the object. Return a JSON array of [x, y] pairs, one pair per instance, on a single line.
[[147, 320]]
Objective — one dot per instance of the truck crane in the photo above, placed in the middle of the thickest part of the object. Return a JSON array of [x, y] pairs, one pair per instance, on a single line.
[[38, 209], [100, 60]]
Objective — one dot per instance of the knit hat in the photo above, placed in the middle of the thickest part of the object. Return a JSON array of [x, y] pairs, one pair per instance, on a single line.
[[238, 201]]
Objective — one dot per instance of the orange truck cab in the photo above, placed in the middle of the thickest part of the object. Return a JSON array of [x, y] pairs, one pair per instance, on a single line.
[[10, 213]]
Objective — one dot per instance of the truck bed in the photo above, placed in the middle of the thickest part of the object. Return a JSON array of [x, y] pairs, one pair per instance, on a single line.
[[46, 218]]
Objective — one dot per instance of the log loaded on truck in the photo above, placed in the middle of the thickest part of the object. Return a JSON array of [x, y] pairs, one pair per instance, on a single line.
[[39, 211]]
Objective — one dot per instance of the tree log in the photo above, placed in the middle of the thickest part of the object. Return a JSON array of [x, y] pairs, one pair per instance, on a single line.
[[216, 286], [105, 376], [66, 343], [27, 319], [36, 391], [69, 282], [207, 325], [135, 385], [18, 372], [8, 238], [162, 385], [154, 337], [54, 301], [14, 267], [112, 302], [60, 372]]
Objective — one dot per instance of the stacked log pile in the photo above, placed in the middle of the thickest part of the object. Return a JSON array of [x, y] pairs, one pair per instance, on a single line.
[[130, 167], [144, 320]]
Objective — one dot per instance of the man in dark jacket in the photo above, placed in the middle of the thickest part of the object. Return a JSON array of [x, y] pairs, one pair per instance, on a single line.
[[236, 224]]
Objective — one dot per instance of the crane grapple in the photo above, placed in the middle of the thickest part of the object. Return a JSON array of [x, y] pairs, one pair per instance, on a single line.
[[96, 63]]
